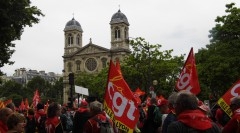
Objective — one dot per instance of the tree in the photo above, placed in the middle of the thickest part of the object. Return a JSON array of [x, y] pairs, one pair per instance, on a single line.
[[218, 63], [15, 15], [147, 63]]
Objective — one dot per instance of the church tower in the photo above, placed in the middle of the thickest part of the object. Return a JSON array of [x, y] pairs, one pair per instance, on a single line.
[[72, 37], [119, 31]]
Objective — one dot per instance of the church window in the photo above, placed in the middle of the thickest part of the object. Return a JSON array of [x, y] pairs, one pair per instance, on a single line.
[[125, 34], [91, 64], [78, 40], [117, 34], [78, 63], [69, 67], [104, 62], [70, 39]]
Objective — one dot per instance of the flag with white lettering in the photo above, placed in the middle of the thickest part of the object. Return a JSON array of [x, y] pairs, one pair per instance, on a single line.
[[225, 100], [119, 102], [36, 98], [188, 79]]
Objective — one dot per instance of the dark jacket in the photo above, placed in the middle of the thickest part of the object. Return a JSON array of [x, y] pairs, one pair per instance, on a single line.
[[149, 125], [80, 118], [171, 117]]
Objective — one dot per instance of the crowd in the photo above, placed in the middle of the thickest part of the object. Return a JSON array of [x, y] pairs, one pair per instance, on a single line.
[[182, 112]]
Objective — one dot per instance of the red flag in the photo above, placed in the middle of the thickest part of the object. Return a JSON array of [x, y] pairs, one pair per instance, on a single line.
[[22, 106], [188, 79], [118, 66], [225, 100], [119, 102], [139, 92], [26, 104], [36, 99]]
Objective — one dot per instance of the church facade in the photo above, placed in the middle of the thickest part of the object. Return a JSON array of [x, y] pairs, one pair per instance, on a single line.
[[92, 58]]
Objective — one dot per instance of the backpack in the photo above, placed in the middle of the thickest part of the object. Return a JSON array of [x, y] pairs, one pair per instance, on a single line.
[[41, 124], [157, 117], [69, 122], [105, 127]]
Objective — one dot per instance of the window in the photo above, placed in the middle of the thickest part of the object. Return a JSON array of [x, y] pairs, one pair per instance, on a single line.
[[78, 40], [91, 64], [70, 39], [78, 63], [104, 62], [125, 33], [117, 33], [69, 67]]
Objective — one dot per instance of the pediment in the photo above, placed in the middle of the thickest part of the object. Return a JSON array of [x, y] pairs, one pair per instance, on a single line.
[[90, 49]]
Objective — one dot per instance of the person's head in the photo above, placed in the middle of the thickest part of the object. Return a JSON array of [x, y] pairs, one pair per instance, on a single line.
[[153, 101], [235, 103], [163, 106], [30, 111], [185, 101], [54, 109], [64, 110], [172, 100], [4, 114], [40, 106], [11, 106], [84, 104], [96, 107], [16, 121]]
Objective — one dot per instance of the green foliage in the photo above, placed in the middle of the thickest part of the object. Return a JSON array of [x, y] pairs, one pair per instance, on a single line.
[[96, 83], [147, 63], [15, 15], [218, 63]]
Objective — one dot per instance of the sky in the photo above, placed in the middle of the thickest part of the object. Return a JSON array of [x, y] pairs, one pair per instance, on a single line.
[[175, 24]]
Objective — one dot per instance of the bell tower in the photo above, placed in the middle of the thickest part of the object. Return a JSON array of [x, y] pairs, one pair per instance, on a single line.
[[119, 31]]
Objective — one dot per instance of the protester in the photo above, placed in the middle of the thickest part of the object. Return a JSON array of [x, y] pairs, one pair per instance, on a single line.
[[97, 113], [81, 116], [4, 114], [221, 117], [189, 118], [40, 117], [16, 123], [66, 120], [163, 107], [171, 117], [53, 123], [11, 106], [142, 117], [233, 126], [31, 122], [149, 125]]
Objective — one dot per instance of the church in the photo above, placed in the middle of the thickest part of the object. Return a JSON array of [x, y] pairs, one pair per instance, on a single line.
[[92, 58]]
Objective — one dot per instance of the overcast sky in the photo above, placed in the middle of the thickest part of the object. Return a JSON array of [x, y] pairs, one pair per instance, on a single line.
[[175, 24]]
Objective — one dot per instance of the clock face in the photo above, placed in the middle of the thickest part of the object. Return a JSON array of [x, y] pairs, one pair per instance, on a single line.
[[91, 64]]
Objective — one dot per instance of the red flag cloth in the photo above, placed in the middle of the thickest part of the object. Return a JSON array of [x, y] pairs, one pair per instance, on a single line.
[[188, 79], [26, 104], [225, 101], [36, 98], [139, 92], [22, 106], [119, 102]]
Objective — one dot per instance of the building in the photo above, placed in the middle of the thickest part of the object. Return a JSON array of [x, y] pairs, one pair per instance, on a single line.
[[92, 58], [23, 76]]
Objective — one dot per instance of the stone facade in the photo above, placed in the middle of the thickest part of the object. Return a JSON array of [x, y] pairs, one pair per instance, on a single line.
[[92, 58]]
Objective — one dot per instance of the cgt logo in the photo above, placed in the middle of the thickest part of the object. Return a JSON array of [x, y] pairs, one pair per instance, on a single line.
[[184, 81], [121, 103]]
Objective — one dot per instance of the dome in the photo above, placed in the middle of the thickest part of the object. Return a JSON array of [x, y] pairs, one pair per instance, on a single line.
[[73, 25], [119, 17]]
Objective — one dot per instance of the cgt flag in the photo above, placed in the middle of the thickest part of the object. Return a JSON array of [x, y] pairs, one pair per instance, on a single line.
[[119, 102], [188, 79], [225, 100]]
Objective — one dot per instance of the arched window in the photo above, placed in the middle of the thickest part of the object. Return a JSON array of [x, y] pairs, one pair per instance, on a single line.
[[78, 63], [104, 62], [70, 39], [117, 33], [125, 33], [78, 40], [69, 67]]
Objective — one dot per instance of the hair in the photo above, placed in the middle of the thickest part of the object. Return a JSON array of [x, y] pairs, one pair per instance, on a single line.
[[14, 119], [153, 101], [96, 107], [52, 110], [186, 101], [172, 98], [31, 111], [11, 106], [4, 112], [40, 106]]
